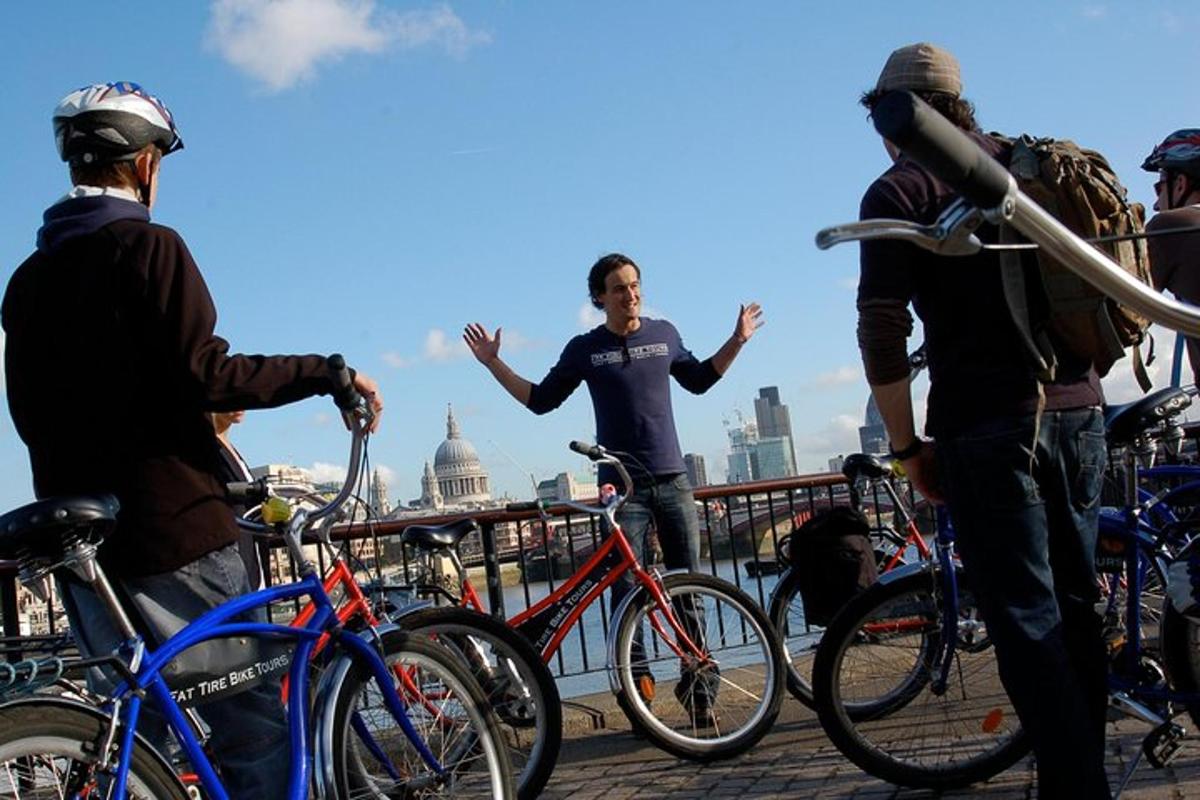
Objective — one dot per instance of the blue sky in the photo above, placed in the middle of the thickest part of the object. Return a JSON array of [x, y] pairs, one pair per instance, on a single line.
[[367, 177]]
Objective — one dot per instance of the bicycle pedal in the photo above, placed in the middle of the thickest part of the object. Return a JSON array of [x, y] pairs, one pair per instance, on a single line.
[[1163, 744]]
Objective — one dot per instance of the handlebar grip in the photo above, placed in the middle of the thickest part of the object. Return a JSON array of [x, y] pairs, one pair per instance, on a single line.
[[584, 449], [526, 505], [248, 493], [911, 124], [345, 396]]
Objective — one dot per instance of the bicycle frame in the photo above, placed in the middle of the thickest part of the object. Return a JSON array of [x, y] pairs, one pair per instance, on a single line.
[[322, 622], [548, 621]]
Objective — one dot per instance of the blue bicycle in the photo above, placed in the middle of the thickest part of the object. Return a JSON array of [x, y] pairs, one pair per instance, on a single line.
[[393, 715]]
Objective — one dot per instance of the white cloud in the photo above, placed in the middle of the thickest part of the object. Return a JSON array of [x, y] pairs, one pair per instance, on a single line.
[[849, 283], [839, 377], [281, 42], [1094, 12], [321, 419], [589, 316], [397, 361], [387, 473], [320, 472], [439, 347]]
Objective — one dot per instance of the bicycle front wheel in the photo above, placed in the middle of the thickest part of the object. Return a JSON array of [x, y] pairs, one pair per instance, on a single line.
[[880, 700], [516, 682], [699, 708], [49, 750], [372, 756]]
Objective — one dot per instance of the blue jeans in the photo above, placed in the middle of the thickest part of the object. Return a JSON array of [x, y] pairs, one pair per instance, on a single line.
[[248, 732], [668, 503], [1025, 518]]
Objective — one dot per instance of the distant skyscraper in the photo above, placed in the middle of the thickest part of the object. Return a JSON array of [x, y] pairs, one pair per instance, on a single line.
[[742, 460], [774, 422], [836, 463], [872, 436], [696, 472], [773, 458]]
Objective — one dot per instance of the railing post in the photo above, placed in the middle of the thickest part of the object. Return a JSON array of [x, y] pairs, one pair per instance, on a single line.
[[8, 608], [491, 566]]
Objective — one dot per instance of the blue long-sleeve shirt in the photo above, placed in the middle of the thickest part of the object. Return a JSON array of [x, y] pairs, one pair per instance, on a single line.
[[629, 381]]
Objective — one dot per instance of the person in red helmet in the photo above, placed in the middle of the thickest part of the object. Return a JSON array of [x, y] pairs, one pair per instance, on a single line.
[[1174, 256]]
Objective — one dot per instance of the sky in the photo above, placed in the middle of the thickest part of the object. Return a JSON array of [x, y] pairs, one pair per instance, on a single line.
[[366, 177]]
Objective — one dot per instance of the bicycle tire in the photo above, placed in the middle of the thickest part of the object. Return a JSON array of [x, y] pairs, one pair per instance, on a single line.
[[798, 637], [501, 658], [747, 669], [447, 708], [1180, 637], [35, 736], [872, 680]]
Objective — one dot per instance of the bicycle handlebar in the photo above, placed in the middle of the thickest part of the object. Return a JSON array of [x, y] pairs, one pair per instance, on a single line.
[[922, 133], [345, 396]]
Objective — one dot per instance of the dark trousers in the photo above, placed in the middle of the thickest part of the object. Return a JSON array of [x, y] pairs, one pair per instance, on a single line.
[[668, 503], [1025, 517], [249, 733]]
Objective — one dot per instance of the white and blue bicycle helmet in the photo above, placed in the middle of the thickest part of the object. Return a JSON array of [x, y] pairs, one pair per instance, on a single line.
[[111, 122]]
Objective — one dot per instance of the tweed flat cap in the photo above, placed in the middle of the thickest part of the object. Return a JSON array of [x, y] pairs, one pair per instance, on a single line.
[[921, 67]]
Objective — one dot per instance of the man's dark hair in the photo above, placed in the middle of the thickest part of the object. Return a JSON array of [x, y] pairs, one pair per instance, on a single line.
[[958, 110], [599, 273], [110, 173]]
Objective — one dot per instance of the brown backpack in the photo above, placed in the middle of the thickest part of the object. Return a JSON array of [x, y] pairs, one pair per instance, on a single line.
[[1070, 317]]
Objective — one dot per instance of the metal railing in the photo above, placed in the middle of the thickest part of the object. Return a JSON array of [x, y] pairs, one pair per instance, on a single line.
[[740, 529]]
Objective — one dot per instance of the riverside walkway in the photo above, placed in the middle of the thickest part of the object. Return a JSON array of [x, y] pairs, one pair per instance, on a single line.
[[795, 760]]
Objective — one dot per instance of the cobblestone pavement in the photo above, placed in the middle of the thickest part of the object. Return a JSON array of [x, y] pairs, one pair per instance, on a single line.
[[796, 760]]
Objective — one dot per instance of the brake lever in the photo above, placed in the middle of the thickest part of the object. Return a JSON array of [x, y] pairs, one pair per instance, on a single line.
[[953, 234]]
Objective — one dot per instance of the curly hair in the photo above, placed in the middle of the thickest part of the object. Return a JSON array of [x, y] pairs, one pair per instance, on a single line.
[[960, 111]]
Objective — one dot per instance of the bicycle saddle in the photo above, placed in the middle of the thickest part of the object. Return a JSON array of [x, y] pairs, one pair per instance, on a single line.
[[865, 465], [1126, 421], [433, 537], [42, 526]]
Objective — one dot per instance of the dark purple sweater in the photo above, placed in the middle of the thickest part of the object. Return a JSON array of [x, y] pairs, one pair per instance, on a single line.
[[629, 380]]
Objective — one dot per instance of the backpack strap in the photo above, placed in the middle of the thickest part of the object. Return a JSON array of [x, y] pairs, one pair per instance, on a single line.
[[1012, 276]]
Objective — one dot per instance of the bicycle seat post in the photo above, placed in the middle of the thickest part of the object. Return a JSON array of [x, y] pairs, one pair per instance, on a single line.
[[81, 560]]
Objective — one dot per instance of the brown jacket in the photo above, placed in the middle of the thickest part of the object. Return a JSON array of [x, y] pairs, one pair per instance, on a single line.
[[1175, 262]]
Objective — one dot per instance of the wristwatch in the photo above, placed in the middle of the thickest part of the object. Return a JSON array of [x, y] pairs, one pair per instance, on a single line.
[[908, 452]]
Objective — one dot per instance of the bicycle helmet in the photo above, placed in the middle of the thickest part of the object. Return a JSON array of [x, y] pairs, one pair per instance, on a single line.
[[1179, 152], [112, 122]]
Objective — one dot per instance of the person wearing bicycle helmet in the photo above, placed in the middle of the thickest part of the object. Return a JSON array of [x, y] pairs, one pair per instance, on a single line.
[[1018, 464], [1175, 257], [628, 363], [112, 368]]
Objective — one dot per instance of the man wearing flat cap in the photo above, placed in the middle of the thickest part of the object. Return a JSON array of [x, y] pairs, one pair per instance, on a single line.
[[1019, 466]]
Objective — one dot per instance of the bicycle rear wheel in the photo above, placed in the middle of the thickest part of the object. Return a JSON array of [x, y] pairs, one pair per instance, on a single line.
[[373, 758], [516, 682], [701, 711], [49, 750], [797, 634], [876, 693]]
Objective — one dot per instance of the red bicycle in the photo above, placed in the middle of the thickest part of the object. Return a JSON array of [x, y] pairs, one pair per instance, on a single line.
[[696, 635]]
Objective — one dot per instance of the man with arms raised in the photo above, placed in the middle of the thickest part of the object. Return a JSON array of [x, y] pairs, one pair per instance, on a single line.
[[627, 364]]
